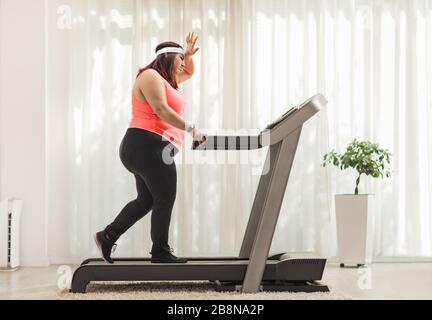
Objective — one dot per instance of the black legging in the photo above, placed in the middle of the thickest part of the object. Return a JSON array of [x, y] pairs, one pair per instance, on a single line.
[[150, 159]]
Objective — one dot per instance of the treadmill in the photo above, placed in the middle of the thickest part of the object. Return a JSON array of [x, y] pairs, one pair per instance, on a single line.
[[254, 269]]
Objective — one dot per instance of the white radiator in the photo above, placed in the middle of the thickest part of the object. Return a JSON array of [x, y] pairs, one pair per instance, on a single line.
[[10, 214]]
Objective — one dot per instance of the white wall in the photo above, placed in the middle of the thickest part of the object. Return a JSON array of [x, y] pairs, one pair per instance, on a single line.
[[22, 120]]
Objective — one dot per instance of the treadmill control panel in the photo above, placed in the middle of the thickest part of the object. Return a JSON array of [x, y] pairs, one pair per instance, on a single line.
[[282, 118]]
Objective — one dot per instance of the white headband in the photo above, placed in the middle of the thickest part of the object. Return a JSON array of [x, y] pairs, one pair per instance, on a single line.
[[170, 50]]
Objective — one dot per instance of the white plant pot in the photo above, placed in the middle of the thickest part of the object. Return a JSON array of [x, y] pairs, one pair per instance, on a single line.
[[354, 229]]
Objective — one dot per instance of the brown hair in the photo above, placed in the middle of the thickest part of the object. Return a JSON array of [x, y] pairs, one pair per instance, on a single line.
[[164, 63]]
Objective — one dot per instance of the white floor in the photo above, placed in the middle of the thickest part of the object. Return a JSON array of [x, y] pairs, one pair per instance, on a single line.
[[380, 281]]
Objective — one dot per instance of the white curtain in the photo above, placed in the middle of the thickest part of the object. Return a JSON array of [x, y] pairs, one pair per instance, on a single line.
[[371, 59]]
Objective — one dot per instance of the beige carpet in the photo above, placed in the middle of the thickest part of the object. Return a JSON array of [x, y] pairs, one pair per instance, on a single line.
[[184, 291]]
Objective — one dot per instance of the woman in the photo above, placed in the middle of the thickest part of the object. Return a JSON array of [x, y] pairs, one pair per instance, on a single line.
[[156, 127]]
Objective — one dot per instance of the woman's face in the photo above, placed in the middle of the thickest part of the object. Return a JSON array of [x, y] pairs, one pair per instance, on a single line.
[[179, 65]]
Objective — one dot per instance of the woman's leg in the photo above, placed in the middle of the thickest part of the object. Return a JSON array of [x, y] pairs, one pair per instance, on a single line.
[[133, 211], [163, 186], [162, 183]]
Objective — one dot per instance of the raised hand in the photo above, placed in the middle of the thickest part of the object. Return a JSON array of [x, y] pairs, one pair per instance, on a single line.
[[191, 40]]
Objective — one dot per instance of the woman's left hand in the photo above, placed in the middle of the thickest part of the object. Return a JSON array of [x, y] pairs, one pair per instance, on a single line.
[[191, 41]]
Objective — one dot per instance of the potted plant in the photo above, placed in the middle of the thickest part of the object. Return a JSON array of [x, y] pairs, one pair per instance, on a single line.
[[353, 211]]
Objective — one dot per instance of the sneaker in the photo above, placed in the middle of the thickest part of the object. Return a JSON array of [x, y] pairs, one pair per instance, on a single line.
[[105, 245], [167, 257]]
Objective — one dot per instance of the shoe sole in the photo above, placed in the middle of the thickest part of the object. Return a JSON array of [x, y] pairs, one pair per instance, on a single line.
[[171, 262], [96, 239]]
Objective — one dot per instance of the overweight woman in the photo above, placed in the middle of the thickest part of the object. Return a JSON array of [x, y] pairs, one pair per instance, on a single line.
[[154, 137]]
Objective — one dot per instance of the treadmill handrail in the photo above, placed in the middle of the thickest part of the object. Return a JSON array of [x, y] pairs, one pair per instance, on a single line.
[[274, 133], [229, 143]]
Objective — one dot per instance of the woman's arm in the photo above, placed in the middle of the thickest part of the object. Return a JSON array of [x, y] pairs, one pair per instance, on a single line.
[[153, 88], [190, 51], [190, 65]]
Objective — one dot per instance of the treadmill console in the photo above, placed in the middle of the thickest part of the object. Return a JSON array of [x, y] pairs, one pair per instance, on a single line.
[[282, 118]]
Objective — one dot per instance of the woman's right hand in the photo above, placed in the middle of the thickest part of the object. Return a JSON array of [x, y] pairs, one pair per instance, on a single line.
[[199, 136]]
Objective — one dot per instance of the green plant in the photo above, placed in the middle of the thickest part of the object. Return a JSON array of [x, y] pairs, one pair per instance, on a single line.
[[365, 157]]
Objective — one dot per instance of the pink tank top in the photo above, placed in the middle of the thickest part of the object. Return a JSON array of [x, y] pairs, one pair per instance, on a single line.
[[143, 116]]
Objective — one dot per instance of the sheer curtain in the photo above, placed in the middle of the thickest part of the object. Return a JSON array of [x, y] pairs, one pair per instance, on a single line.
[[371, 59]]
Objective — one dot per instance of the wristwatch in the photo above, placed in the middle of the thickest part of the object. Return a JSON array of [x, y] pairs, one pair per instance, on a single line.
[[190, 128]]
